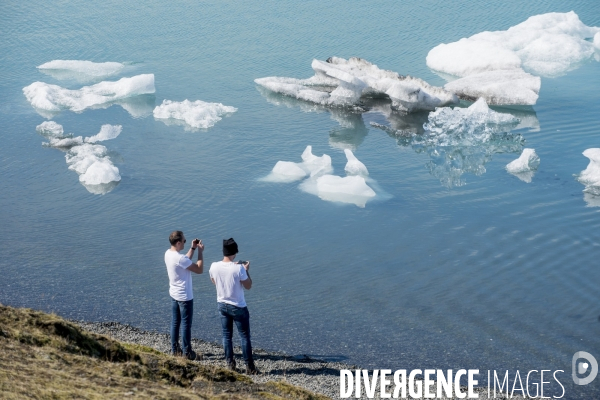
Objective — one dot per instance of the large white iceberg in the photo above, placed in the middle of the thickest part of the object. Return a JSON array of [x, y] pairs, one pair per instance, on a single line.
[[196, 114], [546, 45], [75, 69], [341, 82], [53, 98]]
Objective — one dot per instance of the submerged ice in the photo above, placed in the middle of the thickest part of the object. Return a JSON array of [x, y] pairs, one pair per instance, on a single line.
[[91, 161], [545, 45], [53, 98], [341, 82], [461, 140], [196, 114]]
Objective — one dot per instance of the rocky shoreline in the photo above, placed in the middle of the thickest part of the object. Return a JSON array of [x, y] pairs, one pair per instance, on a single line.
[[318, 376]]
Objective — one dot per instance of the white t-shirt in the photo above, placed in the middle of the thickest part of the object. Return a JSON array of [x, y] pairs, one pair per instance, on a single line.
[[228, 277], [180, 278]]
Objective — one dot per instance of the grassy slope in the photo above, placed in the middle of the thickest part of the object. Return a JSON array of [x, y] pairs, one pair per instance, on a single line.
[[42, 356]]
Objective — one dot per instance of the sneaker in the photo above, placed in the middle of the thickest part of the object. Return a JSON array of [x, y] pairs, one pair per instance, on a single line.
[[232, 367], [252, 370], [177, 352], [192, 355]]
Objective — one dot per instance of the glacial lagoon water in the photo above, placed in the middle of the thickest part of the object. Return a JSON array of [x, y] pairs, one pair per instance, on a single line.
[[454, 264]]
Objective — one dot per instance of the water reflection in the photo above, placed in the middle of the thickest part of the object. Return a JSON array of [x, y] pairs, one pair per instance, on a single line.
[[453, 152]]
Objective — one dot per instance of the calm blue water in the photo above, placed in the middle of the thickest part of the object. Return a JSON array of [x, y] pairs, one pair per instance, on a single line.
[[494, 274]]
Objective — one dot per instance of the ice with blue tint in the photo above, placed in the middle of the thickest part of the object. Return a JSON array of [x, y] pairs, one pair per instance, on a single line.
[[461, 140], [524, 167], [53, 98], [192, 114], [590, 177], [80, 69], [341, 82]]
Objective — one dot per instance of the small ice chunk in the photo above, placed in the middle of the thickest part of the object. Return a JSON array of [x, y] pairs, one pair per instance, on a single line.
[[67, 68], [500, 87], [354, 166], [286, 171], [197, 114], [107, 132], [349, 189], [100, 172], [50, 129], [92, 164], [316, 165], [55, 98], [528, 161], [545, 45], [597, 41], [591, 175]]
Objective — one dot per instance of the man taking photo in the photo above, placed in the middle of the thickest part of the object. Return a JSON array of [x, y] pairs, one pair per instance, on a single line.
[[231, 279], [180, 268]]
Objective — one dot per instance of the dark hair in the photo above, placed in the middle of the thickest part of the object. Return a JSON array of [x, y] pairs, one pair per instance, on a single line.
[[175, 236], [230, 247]]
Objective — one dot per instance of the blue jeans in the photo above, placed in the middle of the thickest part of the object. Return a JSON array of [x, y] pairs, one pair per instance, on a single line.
[[241, 317], [183, 312]]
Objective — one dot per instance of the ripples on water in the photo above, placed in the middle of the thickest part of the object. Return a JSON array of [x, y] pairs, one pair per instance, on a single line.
[[493, 274]]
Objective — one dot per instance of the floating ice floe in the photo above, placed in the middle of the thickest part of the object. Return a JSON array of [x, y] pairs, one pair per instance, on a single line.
[[80, 69], [195, 114], [91, 161], [524, 167], [311, 165], [53, 98], [590, 176], [341, 82], [460, 140], [546, 45], [354, 166], [597, 41], [351, 189], [502, 87]]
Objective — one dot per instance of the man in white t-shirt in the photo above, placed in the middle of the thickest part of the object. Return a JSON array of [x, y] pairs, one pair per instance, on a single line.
[[180, 268], [231, 279]]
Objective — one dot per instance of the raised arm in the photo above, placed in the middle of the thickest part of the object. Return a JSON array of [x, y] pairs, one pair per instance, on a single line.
[[198, 266]]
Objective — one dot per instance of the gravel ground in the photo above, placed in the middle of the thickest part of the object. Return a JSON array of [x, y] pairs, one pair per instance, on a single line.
[[315, 375]]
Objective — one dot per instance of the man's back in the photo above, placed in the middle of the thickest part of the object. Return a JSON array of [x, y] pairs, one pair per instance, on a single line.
[[227, 277]]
